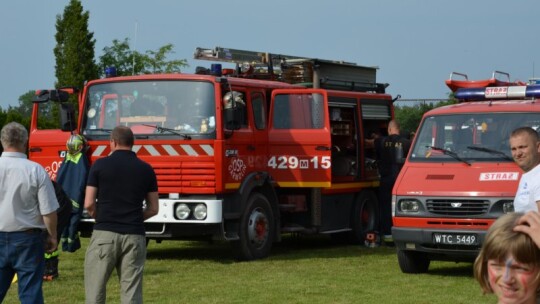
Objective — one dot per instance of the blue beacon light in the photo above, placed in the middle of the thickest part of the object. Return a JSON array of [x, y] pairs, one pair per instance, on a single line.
[[110, 72], [530, 91]]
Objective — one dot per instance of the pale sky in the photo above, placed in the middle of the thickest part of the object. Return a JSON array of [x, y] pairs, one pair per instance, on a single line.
[[415, 43]]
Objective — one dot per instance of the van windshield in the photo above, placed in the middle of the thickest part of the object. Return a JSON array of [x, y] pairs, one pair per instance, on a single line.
[[469, 137], [165, 108]]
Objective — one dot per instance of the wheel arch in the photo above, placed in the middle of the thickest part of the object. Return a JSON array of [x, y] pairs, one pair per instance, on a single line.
[[259, 182]]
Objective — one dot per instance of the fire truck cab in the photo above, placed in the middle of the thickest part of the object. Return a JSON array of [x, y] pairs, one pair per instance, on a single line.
[[459, 175], [275, 145]]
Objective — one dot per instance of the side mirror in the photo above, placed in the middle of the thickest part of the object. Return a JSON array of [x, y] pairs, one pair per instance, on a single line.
[[67, 117], [60, 95], [233, 118]]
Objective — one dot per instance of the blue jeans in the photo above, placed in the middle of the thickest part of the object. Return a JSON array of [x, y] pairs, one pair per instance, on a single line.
[[22, 253]]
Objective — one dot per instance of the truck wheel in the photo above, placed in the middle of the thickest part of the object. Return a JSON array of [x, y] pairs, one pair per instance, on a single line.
[[365, 216], [412, 261], [256, 230]]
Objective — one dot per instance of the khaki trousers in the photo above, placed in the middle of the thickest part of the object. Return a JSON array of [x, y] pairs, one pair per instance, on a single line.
[[108, 251]]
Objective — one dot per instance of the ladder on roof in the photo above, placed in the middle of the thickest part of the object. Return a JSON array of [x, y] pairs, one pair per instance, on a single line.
[[254, 57], [311, 72]]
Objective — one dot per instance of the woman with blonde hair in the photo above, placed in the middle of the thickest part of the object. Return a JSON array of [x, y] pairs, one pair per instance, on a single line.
[[508, 264]]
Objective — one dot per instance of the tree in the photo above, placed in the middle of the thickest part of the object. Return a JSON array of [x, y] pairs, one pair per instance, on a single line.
[[409, 117], [123, 59], [74, 50], [120, 56], [26, 104], [157, 63]]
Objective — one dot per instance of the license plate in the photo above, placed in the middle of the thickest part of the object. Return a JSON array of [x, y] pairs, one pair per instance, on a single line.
[[455, 239]]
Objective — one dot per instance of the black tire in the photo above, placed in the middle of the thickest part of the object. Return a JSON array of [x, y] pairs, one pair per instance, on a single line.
[[256, 231], [365, 216], [412, 261]]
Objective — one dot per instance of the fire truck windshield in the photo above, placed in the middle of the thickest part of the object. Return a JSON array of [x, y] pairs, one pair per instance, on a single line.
[[469, 137], [184, 107]]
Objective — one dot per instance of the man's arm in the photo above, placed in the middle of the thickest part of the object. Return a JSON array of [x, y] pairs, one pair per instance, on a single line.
[[90, 200], [50, 221], [152, 205]]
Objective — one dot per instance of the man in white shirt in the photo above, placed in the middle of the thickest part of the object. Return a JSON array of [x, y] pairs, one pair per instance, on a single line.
[[525, 147], [28, 206]]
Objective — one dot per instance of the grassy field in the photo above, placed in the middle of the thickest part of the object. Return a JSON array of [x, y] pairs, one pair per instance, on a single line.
[[300, 270]]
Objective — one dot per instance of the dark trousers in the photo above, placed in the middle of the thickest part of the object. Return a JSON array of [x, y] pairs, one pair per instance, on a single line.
[[385, 204]]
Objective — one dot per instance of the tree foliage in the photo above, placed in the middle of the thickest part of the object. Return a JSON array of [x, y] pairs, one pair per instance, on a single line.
[[156, 61], [130, 62], [409, 117], [74, 50]]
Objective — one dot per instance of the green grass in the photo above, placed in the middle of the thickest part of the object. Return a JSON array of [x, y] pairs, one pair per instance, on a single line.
[[300, 270]]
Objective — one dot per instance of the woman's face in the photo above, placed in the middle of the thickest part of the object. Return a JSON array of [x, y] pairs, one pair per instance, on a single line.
[[512, 281]]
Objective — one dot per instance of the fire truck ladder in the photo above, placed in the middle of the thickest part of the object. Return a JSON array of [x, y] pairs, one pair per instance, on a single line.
[[317, 73], [242, 56]]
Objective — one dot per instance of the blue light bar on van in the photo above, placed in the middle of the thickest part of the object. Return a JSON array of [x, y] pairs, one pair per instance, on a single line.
[[498, 92]]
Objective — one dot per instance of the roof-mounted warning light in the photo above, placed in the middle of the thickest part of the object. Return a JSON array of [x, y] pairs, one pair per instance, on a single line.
[[507, 92], [110, 72]]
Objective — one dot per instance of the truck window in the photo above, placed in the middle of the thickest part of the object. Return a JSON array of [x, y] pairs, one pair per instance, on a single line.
[[184, 106], [259, 112], [299, 111], [477, 136]]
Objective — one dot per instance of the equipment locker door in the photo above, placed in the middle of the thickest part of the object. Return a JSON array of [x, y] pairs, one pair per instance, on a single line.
[[299, 138]]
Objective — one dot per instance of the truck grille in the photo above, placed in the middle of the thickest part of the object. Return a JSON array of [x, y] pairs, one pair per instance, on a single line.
[[186, 177], [462, 207]]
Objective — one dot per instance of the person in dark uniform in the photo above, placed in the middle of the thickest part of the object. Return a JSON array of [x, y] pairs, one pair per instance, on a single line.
[[393, 151], [63, 214]]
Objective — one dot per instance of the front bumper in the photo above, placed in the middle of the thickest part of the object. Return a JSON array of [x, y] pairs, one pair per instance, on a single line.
[[422, 240]]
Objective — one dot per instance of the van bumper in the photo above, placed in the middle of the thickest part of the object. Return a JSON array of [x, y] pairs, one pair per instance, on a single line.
[[439, 244]]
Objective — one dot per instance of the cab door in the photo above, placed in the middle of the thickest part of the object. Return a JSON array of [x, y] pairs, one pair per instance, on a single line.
[[299, 138], [46, 146]]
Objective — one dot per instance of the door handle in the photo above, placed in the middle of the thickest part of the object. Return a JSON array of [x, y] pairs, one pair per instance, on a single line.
[[322, 148], [35, 149], [251, 148]]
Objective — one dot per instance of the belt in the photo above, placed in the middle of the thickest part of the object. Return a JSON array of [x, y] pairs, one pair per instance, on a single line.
[[33, 230]]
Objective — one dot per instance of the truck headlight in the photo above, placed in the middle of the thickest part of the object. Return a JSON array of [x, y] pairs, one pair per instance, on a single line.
[[200, 211], [182, 211], [409, 206]]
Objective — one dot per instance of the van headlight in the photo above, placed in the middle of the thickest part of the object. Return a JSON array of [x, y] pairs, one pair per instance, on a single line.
[[409, 206], [508, 207]]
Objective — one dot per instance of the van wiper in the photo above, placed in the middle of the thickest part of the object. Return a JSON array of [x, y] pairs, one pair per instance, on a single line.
[[449, 153], [162, 130], [491, 151]]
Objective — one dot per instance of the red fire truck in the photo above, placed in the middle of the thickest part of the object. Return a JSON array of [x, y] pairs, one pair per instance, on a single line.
[[275, 144], [459, 176]]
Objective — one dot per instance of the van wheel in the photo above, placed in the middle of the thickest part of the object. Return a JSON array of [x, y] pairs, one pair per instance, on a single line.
[[412, 261], [365, 216], [256, 231]]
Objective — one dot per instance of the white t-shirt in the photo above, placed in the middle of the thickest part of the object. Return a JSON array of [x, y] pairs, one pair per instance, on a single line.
[[528, 191], [26, 193]]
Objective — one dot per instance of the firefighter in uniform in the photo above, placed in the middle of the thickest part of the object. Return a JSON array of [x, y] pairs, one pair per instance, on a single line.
[[63, 214], [393, 151], [70, 189]]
